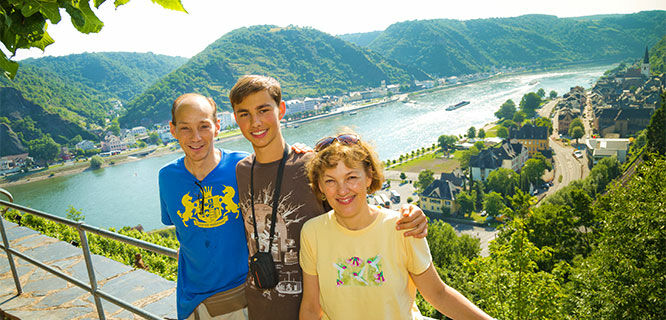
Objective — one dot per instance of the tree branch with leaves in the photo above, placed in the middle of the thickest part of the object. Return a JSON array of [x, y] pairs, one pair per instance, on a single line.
[[24, 23]]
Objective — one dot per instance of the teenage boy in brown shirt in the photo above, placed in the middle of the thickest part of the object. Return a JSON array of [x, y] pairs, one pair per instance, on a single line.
[[258, 108]]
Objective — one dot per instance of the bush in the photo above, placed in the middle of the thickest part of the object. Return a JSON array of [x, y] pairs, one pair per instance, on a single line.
[[96, 162]]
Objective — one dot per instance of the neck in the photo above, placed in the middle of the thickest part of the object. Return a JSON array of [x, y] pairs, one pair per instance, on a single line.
[[272, 152], [200, 169], [359, 220]]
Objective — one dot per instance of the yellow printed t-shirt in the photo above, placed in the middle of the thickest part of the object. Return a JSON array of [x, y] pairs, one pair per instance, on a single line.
[[364, 274]]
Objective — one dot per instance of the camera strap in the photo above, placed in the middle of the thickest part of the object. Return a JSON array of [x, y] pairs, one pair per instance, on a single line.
[[276, 197]]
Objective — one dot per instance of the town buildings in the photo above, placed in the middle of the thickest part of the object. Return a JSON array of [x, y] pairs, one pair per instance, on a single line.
[[534, 138], [509, 155], [600, 148]]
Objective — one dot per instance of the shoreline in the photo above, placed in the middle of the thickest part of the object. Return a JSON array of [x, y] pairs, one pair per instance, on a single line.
[[79, 167], [234, 134]]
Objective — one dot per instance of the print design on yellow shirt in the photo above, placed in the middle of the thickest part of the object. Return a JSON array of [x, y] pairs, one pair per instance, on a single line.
[[212, 214], [358, 272]]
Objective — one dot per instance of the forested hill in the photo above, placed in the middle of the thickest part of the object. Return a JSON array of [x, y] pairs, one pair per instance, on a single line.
[[452, 47], [658, 57], [83, 90], [360, 39], [307, 62], [120, 75]]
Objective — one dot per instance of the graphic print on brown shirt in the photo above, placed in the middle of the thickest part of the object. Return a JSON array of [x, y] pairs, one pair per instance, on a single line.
[[297, 204]]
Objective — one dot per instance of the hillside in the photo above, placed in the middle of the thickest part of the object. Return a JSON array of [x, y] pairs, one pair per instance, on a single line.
[[451, 47], [658, 57], [29, 120], [307, 62], [83, 90], [362, 39]]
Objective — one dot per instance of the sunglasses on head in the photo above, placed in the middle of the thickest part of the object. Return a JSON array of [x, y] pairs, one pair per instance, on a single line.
[[347, 139]]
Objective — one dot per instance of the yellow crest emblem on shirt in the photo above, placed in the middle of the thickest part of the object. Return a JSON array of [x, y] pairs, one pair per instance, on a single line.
[[208, 210]]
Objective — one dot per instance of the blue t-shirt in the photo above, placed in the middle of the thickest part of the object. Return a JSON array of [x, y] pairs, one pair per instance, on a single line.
[[209, 226]]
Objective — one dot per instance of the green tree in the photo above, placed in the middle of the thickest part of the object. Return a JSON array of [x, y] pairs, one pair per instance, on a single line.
[[154, 138], [656, 130], [446, 142], [424, 180], [465, 203], [24, 23], [471, 132], [502, 181], [533, 170], [403, 176], [506, 111], [519, 117], [553, 94], [75, 140], [96, 162], [481, 134], [114, 127], [493, 203], [577, 122], [43, 149], [74, 214], [502, 132], [479, 145], [508, 284], [544, 122], [529, 103], [541, 93], [466, 155], [623, 278], [576, 133]]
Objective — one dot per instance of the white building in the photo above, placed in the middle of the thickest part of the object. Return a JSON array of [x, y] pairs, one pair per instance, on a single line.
[[85, 145], [113, 143], [598, 149], [226, 119], [165, 135], [139, 131]]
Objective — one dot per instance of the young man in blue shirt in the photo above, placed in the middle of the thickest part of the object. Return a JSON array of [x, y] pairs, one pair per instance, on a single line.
[[199, 196]]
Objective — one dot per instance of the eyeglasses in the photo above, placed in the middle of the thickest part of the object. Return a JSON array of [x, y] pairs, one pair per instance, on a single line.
[[347, 139]]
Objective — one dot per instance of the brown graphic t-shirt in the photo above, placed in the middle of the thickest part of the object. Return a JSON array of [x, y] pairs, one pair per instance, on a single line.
[[297, 204]]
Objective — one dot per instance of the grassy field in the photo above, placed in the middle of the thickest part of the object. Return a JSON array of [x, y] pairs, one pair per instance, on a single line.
[[432, 161]]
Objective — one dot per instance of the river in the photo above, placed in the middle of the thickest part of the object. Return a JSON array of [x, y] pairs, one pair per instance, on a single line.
[[126, 194]]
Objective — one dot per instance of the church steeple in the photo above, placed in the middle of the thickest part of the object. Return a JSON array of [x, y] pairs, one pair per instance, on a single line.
[[645, 66]]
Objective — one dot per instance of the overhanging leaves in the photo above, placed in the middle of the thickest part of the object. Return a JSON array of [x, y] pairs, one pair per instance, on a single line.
[[10, 67], [83, 18]]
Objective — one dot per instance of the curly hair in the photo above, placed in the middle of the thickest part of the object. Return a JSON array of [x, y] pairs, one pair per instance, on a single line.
[[353, 155]]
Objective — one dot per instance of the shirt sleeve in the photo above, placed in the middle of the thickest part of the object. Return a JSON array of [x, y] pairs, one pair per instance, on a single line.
[[166, 219], [308, 252], [418, 254]]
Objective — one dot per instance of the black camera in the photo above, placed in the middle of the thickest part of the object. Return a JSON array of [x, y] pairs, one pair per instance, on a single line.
[[263, 270]]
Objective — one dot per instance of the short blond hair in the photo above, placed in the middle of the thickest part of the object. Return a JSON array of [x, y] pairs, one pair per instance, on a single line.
[[353, 156]]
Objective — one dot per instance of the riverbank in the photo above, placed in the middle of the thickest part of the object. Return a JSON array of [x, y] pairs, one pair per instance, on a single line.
[[71, 168]]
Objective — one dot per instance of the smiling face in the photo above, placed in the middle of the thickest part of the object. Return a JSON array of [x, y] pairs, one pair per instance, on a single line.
[[258, 117], [346, 189], [195, 128]]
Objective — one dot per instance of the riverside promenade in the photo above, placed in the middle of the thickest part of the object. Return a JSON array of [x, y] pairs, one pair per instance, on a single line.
[[46, 296]]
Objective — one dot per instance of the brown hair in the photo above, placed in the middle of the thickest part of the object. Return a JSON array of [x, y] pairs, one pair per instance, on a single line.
[[353, 155], [182, 97], [250, 84]]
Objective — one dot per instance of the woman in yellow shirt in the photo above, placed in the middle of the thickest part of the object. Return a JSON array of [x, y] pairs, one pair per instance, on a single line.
[[355, 264]]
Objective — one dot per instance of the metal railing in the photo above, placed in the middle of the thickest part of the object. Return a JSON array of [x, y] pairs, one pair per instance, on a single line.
[[82, 228]]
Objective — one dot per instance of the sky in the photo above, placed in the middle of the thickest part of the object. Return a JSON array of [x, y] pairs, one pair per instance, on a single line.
[[142, 26]]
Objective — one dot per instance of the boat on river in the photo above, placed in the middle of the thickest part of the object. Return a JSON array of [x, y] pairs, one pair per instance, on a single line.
[[457, 105]]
